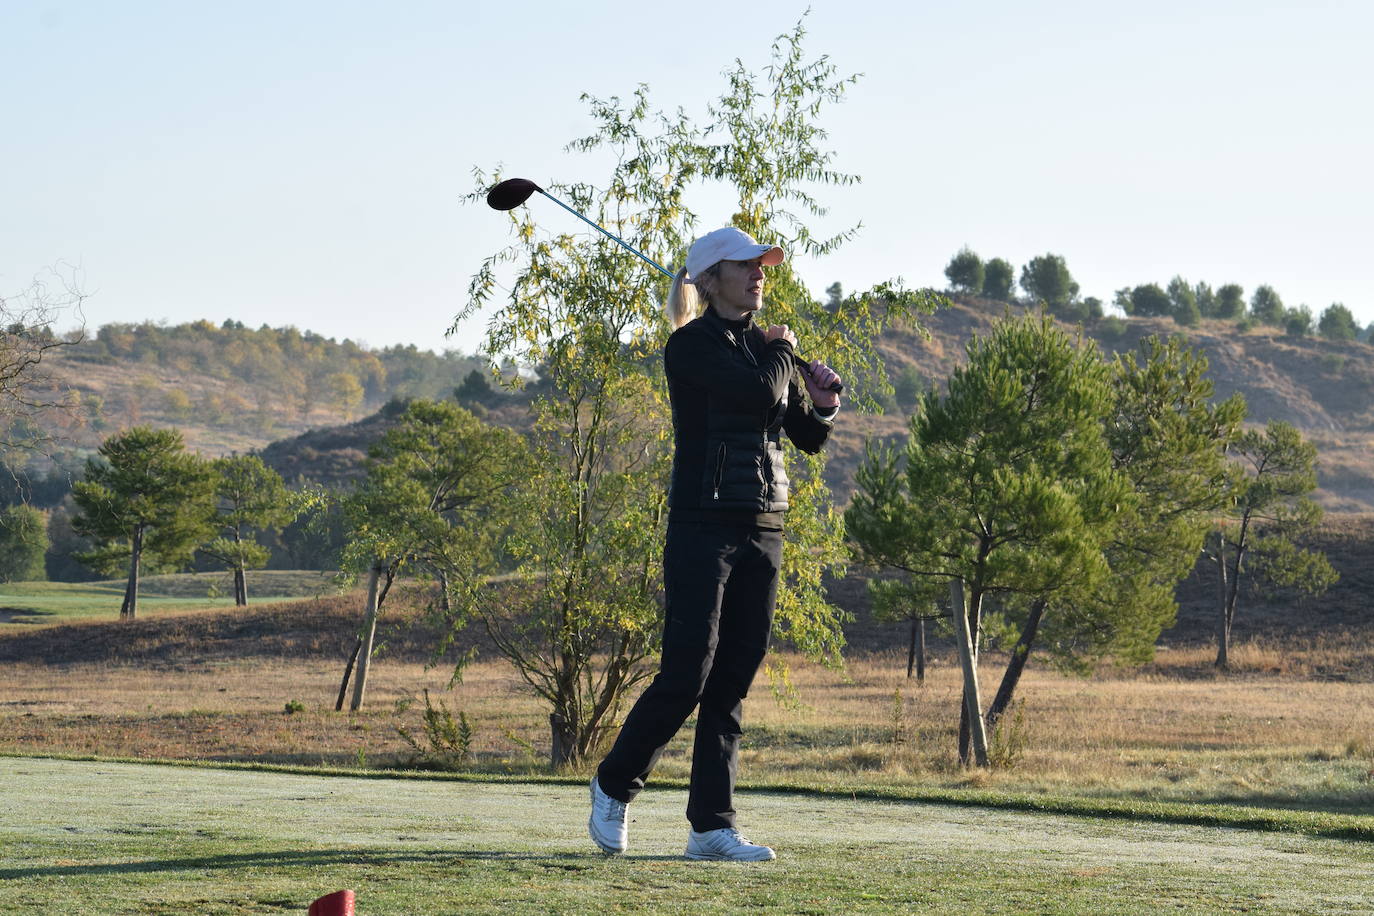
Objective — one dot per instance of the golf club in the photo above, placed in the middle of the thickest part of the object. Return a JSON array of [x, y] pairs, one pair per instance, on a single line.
[[513, 192]]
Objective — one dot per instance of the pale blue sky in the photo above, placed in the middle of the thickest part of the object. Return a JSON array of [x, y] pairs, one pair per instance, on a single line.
[[302, 162]]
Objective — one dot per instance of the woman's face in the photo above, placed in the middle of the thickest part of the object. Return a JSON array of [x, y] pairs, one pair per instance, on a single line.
[[738, 288]]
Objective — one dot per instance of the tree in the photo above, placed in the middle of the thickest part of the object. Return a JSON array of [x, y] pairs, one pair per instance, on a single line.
[[433, 504], [26, 339], [1206, 299], [143, 497], [1275, 471], [346, 392], [592, 510], [1297, 322], [474, 389], [1230, 302], [1266, 307], [1168, 439], [1047, 279], [908, 386], [965, 272], [23, 544], [834, 297], [1183, 306], [1148, 301], [1163, 441], [1008, 484], [998, 278], [434, 485], [251, 498], [1338, 323]]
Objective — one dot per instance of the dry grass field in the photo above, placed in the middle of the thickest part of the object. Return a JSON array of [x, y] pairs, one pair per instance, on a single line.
[[1281, 730]]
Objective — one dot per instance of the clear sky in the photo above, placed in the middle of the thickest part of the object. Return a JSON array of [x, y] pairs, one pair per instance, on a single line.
[[301, 162]]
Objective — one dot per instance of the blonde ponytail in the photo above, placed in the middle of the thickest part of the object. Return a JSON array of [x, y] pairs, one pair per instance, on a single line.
[[683, 303], [688, 299]]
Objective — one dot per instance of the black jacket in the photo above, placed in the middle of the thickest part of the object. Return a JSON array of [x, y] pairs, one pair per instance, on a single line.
[[732, 396]]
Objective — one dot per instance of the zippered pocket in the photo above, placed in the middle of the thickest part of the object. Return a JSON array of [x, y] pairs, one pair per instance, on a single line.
[[720, 469]]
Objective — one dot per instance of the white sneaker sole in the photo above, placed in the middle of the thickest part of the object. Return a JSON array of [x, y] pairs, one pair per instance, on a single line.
[[714, 857]]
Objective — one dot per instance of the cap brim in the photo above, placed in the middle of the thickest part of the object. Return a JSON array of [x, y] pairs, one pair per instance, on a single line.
[[772, 257]]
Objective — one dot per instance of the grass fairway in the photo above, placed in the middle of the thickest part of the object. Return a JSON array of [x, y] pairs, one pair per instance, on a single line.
[[28, 603], [96, 837]]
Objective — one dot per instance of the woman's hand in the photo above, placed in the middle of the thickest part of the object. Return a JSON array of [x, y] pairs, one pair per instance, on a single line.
[[819, 378], [776, 331]]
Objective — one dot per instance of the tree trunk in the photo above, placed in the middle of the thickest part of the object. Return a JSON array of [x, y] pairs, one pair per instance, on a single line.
[[973, 705], [445, 604], [921, 651], [369, 633], [1228, 586], [916, 651], [348, 671], [240, 585], [129, 610], [1019, 654], [1230, 589], [563, 743]]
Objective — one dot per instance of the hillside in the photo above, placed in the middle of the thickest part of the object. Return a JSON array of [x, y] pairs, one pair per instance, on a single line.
[[287, 393], [229, 388], [1324, 388]]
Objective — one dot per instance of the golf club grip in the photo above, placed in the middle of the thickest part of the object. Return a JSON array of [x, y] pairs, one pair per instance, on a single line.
[[803, 365]]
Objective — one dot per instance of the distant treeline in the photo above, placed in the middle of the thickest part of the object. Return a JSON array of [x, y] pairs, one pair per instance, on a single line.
[[300, 364], [1046, 279]]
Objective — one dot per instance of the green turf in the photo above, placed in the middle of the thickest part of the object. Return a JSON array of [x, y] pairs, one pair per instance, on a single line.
[[100, 837], [67, 602]]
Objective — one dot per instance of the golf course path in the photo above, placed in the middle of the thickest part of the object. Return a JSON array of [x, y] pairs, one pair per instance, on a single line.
[[149, 839]]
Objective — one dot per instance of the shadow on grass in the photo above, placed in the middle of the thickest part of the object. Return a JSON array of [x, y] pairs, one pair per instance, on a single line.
[[318, 858], [24, 615]]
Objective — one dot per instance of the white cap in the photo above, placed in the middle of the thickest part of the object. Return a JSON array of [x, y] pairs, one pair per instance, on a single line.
[[728, 244]]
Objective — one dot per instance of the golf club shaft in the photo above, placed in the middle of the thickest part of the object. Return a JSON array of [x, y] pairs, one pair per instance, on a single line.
[[801, 363], [614, 238]]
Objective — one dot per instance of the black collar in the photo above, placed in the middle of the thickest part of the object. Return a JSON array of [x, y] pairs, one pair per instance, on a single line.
[[739, 325]]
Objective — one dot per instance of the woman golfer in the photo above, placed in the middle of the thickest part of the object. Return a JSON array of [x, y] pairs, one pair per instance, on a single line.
[[734, 392]]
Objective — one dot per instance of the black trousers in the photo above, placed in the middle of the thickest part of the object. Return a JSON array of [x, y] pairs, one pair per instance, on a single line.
[[720, 584]]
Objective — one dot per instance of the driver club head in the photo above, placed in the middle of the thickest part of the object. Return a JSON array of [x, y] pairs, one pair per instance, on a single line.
[[511, 193]]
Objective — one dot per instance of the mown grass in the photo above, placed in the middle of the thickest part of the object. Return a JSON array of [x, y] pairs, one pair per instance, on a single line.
[[29, 603], [1260, 739], [118, 838]]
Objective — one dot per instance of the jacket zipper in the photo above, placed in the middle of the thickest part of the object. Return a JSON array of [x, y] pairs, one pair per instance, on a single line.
[[720, 467]]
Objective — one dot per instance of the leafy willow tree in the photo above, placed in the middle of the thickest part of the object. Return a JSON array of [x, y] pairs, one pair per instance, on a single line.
[[1074, 499], [588, 523], [143, 499], [23, 542], [1271, 509], [965, 271], [251, 498], [998, 279]]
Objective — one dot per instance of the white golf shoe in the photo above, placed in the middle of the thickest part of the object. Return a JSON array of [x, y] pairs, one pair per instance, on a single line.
[[725, 845], [607, 823]]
